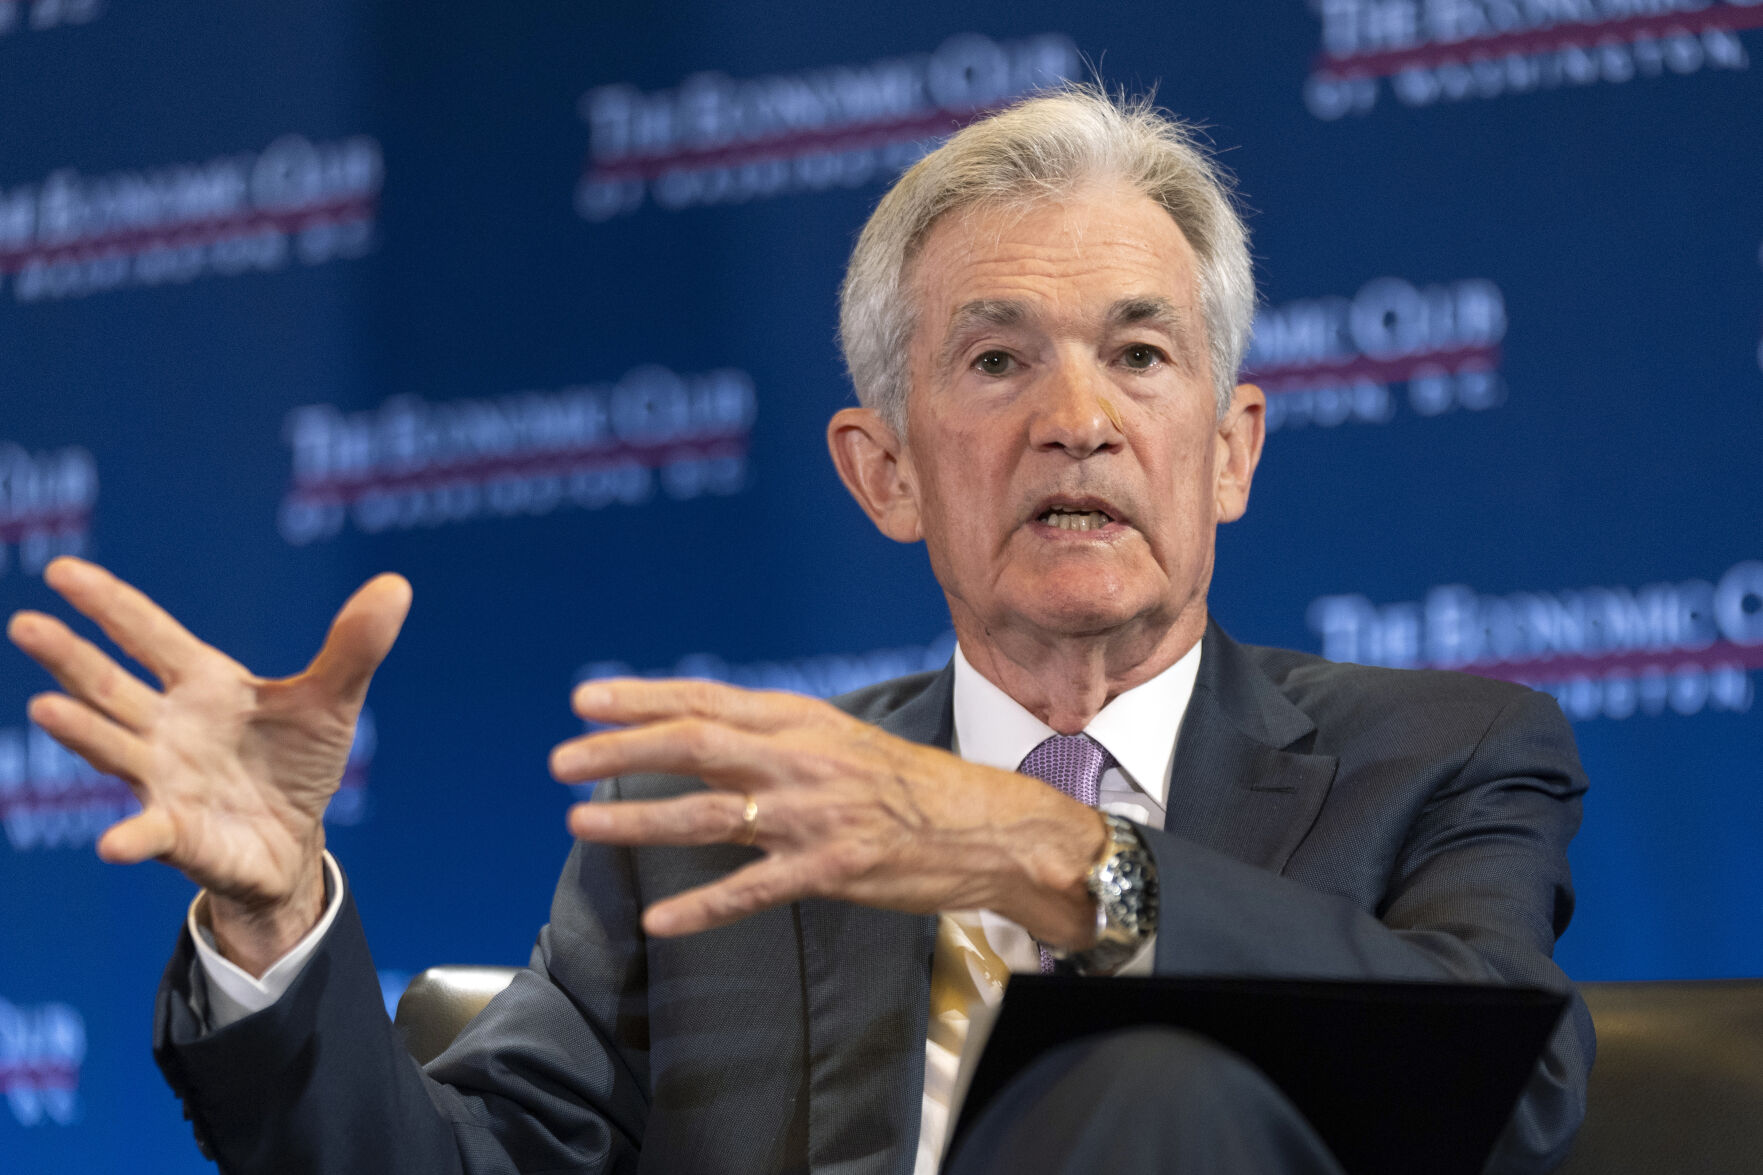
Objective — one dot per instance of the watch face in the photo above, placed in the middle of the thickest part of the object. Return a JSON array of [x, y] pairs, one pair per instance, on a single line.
[[1126, 883]]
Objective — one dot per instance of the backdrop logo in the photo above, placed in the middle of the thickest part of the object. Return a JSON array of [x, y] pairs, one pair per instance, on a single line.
[[411, 463], [46, 502], [1324, 362], [38, 15], [1433, 51], [51, 798], [41, 1049], [72, 235], [1602, 651], [721, 140]]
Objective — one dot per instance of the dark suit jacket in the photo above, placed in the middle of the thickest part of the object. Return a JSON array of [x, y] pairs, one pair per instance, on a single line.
[[1324, 820]]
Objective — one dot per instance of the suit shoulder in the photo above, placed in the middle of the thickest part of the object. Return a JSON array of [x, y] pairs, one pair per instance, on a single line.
[[1426, 721], [1335, 690], [872, 703]]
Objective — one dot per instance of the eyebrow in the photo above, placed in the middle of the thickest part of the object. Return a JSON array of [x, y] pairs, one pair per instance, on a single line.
[[978, 316], [1159, 313], [992, 314]]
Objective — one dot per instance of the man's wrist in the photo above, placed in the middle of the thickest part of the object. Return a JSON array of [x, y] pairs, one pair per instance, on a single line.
[[1055, 906], [232, 993], [253, 935]]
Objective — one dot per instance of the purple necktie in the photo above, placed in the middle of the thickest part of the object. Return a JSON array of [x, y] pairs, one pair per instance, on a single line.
[[1072, 763]]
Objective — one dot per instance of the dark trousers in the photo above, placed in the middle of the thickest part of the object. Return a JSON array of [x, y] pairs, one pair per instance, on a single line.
[[1137, 1102]]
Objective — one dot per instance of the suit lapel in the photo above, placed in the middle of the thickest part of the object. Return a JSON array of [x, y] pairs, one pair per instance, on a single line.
[[1237, 785], [867, 978]]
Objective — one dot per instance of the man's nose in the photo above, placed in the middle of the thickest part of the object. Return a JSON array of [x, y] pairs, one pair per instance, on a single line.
[[1071, 410]]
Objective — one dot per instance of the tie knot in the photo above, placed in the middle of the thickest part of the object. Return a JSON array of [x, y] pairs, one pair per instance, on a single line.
[[1073, 763]]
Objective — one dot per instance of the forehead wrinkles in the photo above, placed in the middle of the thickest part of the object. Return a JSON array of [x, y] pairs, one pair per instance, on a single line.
[[981, 255]]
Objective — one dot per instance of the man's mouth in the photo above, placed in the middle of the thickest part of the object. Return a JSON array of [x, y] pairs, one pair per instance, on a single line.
[[1077, 516]]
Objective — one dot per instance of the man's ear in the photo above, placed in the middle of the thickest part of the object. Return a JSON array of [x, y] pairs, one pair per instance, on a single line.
[[1240, 437], [871, 462]]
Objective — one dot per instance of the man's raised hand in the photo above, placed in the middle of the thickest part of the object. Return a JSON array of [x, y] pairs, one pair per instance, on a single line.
[[233, 770], [844, 811]]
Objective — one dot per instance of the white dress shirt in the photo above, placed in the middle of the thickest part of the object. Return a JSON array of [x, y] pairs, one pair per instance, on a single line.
[[1138, 728]]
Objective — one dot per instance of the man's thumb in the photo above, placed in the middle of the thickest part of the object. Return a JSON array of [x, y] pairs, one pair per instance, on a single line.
[[361, 636]]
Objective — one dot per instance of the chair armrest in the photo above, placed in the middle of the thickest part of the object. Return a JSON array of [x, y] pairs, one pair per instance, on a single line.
[[441, 1001]]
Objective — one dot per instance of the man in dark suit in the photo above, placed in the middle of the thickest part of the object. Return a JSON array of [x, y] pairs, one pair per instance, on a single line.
[[774, 951]]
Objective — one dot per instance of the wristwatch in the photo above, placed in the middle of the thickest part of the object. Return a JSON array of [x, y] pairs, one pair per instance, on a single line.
[[1124, 884]]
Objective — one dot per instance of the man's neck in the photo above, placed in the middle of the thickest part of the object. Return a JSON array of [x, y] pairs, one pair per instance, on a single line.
[[1065, 681]]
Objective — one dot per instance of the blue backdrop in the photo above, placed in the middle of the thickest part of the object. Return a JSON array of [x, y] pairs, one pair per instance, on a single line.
[[534, 303]]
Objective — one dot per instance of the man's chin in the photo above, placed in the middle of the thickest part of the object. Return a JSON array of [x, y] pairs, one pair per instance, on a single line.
[[1081, 613]]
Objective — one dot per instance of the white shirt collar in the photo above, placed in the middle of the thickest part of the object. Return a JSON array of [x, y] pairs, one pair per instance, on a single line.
[[1139, 727]]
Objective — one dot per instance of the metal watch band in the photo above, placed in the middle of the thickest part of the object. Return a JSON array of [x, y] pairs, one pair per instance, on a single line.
[[1124, 884]]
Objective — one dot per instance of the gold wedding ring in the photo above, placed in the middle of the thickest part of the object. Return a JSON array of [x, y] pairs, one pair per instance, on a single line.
[[749, 821]]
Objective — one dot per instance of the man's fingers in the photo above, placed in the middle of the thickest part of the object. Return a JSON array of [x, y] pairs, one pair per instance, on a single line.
[[771, 881], [703, 818], [360, 637], [631, 701], [139, 838], [722, 755], [95, 738], [83, 669], [143, 629]]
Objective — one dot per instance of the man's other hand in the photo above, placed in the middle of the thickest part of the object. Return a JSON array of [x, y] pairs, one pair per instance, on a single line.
[[844, 811], [233, 770]]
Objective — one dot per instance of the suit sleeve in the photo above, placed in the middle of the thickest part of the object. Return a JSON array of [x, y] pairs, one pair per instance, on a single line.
[[1479, 892], [551, 1076]]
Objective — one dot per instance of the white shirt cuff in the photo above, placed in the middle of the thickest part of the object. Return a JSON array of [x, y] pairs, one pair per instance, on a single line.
[[233, 993]]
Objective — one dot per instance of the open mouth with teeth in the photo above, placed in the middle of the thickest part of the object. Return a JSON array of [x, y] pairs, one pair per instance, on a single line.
[[1070, 518]]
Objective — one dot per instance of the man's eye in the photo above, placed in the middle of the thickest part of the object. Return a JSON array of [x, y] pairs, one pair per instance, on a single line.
[[994, 363], [1141, 357]]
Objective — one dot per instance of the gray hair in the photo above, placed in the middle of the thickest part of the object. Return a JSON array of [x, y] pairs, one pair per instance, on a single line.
[[1042, 148]]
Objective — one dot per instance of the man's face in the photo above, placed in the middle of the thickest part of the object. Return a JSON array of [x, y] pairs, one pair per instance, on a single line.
[[1063, 454]]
